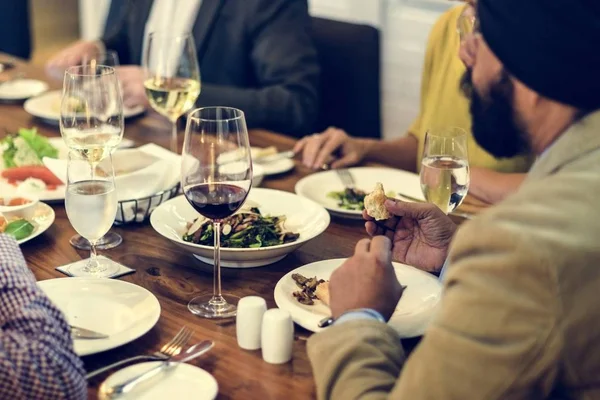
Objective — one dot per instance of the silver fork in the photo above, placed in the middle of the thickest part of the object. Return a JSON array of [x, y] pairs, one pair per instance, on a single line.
[[170, 349], [346, 178]]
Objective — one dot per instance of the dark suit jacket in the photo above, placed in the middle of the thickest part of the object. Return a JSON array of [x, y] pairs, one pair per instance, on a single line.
[[255, 55], [15, 32]]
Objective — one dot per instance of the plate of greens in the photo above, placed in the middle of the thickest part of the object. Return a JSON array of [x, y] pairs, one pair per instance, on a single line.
[[326, 189], [28, 223], [270, 225]]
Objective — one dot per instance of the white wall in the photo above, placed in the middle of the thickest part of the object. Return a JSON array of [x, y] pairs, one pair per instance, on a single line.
[[404, 24]]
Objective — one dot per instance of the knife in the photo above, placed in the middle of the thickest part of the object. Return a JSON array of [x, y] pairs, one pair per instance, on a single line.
[[120, 389], [82, 333]]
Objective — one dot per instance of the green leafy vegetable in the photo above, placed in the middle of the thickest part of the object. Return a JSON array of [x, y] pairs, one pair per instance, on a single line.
[[244, 230], [26, 148], [20, 229], [349, 199]]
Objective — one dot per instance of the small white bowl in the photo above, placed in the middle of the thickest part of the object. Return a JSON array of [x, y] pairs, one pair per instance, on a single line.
[[9, 210]]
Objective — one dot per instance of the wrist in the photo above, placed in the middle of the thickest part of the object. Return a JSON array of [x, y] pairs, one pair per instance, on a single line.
[[366, 146], [360, 314]]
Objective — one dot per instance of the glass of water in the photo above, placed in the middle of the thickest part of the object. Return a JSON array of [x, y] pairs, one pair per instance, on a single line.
[[91, 204], [445, 168]]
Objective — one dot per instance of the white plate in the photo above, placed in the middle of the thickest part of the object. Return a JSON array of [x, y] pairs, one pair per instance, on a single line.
[[122, 310], [276, 167], [415, 309], [47, 107], [21, 89], [57, 194], [305, 217], [41, 216], [317, 186], [184, 382]]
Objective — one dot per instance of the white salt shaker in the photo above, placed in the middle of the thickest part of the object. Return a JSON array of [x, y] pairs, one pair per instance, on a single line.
[[249, 321], [277, 336]]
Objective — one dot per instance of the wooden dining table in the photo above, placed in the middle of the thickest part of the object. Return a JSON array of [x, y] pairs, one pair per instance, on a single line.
[[174, 276]]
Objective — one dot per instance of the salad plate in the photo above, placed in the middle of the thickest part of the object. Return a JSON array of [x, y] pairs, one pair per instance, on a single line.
[[33, 221], [327, 189], [304, 217], [415, 309]]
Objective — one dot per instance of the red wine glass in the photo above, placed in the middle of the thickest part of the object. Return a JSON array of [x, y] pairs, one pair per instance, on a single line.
[[216, 176]]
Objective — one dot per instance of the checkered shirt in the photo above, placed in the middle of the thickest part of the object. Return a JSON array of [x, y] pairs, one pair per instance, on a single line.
[[37, 361]]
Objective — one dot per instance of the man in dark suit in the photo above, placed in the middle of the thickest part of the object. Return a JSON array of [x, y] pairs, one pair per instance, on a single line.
[[15, 31], [256, 55]]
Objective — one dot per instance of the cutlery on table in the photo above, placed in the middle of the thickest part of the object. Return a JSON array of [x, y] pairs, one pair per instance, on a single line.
[[346, 178], [123, 388], [82, 333], [171, 348]]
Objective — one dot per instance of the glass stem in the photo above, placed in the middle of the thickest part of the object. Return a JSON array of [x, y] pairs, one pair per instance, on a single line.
[[92, 264], [174, 147], [217, 297]]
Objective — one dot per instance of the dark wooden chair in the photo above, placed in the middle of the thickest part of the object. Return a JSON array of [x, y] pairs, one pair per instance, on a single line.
[[349, 55]]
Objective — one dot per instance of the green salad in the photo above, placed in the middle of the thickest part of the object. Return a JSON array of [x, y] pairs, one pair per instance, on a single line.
[[249, 229], [349, 199], [26, 147]]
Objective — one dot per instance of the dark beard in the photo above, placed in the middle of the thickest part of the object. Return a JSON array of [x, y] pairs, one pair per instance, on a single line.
[[494, 123]]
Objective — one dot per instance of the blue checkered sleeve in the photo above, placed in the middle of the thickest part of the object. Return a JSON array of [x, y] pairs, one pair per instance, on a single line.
[[36, 352]]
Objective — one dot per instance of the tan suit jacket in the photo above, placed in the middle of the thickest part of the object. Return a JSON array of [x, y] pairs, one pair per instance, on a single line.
[[520, 314]]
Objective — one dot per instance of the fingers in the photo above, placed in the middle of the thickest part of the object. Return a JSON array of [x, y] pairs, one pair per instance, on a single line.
[[376, 229], [381, 246], [311, 149], [300, 145], [346, 161], [332, 141], [411, 210], [362, 246]]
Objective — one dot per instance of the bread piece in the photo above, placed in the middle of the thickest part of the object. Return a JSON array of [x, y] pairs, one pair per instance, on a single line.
[[375, 203], [322, 292]]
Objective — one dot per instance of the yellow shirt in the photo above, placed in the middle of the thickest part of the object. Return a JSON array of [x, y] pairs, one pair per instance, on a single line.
[[442, 102]]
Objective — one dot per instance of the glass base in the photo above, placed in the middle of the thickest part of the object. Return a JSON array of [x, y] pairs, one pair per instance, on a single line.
[[102, 268], [106, 242], [206, 306]]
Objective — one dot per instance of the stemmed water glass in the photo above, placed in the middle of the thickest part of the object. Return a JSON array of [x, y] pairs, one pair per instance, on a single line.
[[445, 168], [216, 178], [172, 79], [91, 205], [91, 122]]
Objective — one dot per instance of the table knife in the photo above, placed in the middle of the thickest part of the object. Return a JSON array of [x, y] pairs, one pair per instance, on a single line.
[[82, 333]]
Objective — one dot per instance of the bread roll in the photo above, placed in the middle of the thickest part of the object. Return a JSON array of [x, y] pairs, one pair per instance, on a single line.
[[375, 204]]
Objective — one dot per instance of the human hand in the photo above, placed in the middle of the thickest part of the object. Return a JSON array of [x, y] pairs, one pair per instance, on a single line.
[[71, 55], [317, 150], [131, 78], [421, 233], [366, 280]]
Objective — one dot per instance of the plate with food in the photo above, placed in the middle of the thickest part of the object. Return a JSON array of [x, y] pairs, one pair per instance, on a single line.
[[22, 170], [47, 107], [326, 188], [269, 226], [304, 293], [268, 160], [21, 89], [25, 223]]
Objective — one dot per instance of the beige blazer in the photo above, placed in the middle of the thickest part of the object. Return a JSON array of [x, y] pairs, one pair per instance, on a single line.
[[520, 314]]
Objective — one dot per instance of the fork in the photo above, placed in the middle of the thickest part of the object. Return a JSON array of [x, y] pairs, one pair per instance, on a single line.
[[346, 178], [169, 349]]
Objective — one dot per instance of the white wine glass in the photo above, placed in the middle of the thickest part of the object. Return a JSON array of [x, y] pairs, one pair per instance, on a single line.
[[172, 79], [445, 168], [91, 122], [91, 205], [216, 177]]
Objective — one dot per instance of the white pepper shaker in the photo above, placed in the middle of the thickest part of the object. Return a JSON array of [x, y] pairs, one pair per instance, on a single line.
[[249, 321], [277, 336]]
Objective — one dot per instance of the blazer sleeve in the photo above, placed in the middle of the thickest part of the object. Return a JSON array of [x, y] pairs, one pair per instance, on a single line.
[[285, 63], [494, 336], [115, 36]]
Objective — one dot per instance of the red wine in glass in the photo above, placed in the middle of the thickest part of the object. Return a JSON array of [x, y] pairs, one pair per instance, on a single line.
[[216, 201]]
